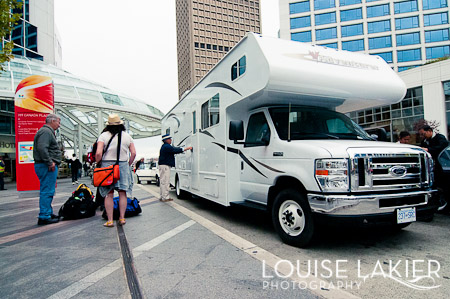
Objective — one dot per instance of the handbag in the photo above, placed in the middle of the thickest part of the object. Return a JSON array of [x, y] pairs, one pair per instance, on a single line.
[[106, 176]]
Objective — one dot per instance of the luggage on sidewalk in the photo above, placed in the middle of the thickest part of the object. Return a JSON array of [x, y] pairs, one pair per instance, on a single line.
[[133, 208], [79, 205]]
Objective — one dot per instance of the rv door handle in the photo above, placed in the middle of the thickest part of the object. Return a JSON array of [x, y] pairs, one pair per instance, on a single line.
[[242, 165]]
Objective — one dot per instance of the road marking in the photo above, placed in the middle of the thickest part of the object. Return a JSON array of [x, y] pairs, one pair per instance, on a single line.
[[260, 254], [93, 278], [55, 206], [33, 231]]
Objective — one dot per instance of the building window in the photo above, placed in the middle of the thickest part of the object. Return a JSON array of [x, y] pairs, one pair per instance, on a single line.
[[380, 26], [238, 68], [409, 55], [210, 112], [387, 56], [408, 39], [300, 22], [406, 23], [378, 11], [7, 125], [351, 14], [301, 36], [327, 33], [436, 35], [446, 86], [111, 99], [348, 2], [330, 45], [405, 6], [352, 30], [431, 4], [435, 19], [299, 7], [405, 68], [437, 52], [353, 45], [400, 116], [323, 4], [325, 18], [380, 42]]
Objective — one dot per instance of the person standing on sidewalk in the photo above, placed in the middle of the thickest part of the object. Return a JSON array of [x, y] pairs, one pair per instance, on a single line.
[[2, 174], [107, 155], [435, 143], [75, 166], [47, 157], [166, 161]]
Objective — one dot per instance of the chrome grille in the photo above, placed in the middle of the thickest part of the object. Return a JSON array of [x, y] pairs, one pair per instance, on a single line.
[[388, 171]]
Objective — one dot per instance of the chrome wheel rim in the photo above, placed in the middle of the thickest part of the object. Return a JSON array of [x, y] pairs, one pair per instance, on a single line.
[[291, 218]]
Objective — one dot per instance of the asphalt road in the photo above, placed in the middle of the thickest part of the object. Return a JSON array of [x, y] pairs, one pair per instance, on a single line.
[[370, 263]]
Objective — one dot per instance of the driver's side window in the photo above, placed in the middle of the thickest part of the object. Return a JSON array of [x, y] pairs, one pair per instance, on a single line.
[[258, 132]]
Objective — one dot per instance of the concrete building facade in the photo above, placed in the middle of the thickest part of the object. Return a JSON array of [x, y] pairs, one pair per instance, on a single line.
[[207, 30]]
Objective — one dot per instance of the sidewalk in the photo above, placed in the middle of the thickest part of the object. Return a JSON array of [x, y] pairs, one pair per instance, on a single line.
[[173, 256]]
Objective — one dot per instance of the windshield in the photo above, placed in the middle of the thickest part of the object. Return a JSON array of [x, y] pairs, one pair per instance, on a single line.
[[314, 123]]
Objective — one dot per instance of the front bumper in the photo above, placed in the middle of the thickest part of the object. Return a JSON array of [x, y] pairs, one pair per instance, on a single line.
[[370, 204]]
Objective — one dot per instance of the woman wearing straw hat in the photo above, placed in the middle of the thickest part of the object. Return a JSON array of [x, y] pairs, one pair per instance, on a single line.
[[114, 127]]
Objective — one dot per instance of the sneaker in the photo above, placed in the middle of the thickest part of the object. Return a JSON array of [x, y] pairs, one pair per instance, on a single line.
[[73, 183], [76, 182], [166, 200], [47, 221]]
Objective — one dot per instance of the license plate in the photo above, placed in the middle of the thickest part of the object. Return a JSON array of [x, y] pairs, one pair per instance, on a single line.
[[406, 215]]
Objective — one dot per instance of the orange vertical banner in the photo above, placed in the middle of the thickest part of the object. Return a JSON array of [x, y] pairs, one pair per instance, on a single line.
[[34, 100]]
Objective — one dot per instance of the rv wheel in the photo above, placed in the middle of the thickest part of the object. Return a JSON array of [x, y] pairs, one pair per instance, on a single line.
[[292, 218], [181, 194]]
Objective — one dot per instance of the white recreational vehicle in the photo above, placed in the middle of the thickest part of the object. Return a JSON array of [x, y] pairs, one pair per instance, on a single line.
[[267, 131]]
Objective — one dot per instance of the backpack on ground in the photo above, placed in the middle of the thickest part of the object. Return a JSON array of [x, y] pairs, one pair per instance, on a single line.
[[133, 208], [79, 205]]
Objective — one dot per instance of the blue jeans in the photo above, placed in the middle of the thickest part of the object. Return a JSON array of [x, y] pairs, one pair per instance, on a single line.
[[47, 180]]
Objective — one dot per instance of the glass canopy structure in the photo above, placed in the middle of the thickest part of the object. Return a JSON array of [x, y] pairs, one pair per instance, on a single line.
[[83, 106]]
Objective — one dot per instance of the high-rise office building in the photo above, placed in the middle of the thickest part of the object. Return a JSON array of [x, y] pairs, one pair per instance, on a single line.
[[206, 31], [34, 35], [404, 33]]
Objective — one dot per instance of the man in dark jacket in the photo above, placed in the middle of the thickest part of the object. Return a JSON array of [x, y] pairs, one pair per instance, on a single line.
[[75, 166], [47, 157], [435, 143], [166, 161]]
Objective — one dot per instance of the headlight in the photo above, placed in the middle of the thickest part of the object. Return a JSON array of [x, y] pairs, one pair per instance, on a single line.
[[332, 174], [430, 168]]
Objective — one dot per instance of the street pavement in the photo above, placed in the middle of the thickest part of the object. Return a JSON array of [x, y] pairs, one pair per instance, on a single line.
[[172, 253]]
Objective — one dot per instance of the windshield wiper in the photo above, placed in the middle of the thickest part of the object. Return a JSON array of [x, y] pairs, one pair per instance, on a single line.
[[316, 134]]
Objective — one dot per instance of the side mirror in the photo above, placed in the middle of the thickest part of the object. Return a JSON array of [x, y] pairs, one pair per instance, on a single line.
[[236, 131]]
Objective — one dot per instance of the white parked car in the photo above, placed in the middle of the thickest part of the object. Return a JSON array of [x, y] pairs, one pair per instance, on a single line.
[[148, 171]]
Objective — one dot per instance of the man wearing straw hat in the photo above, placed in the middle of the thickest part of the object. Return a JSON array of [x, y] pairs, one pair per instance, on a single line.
[[166, 161]]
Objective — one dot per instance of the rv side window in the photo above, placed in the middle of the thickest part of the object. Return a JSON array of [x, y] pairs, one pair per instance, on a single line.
[[258, 132], [210, 112], [238, 68], [194, 122]]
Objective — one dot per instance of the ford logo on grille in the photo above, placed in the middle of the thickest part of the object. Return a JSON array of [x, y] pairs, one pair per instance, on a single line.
[[397, 171]]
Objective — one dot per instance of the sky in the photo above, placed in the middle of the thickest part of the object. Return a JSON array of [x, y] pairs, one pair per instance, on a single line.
[[130, 47]]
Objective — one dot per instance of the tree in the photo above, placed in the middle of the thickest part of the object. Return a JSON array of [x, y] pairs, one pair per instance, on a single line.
[[7, 22]]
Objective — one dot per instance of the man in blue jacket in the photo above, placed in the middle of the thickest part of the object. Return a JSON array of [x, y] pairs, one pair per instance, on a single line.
[[166, 161]]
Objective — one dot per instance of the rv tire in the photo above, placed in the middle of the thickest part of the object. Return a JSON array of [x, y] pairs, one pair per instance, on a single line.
[[181, 194], [292, 218]]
